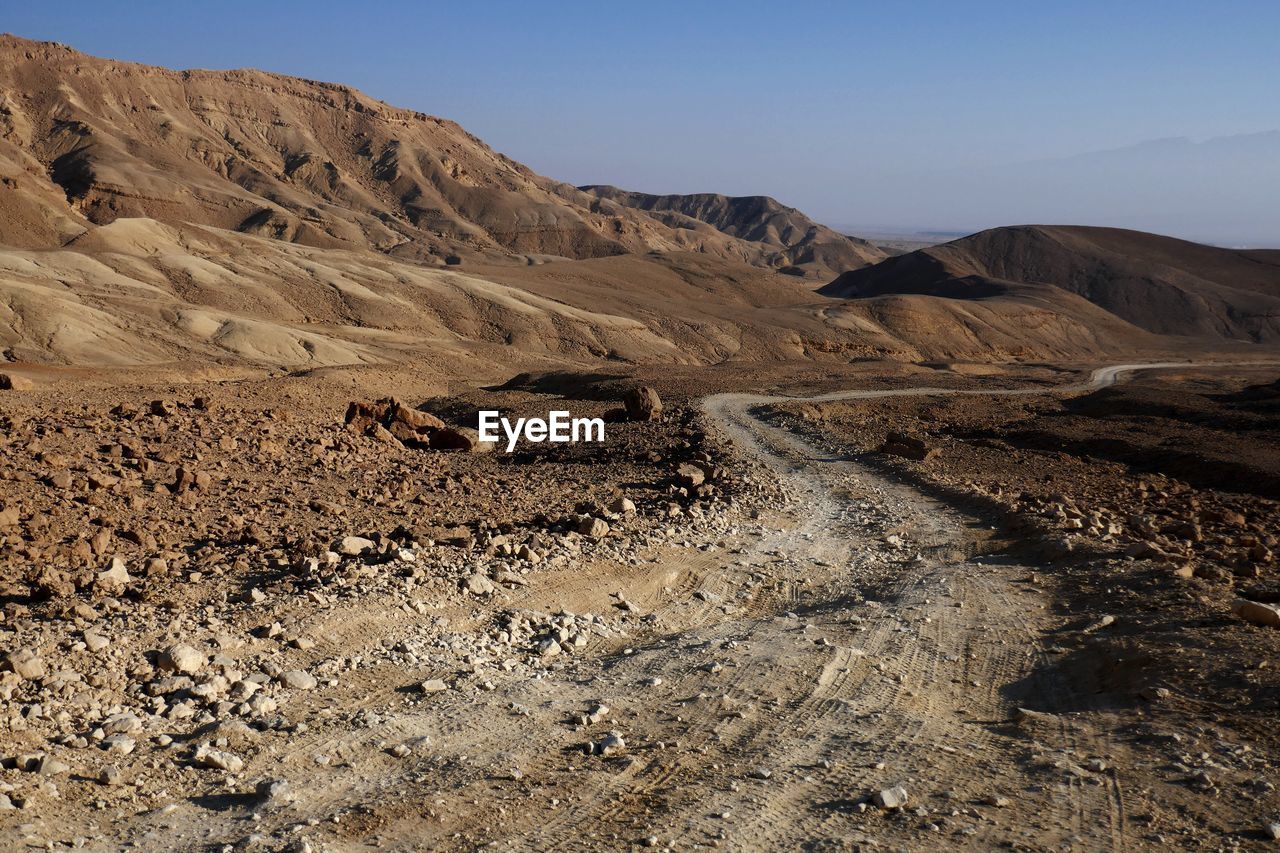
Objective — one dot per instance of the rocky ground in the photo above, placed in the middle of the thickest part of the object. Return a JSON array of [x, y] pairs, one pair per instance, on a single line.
[[183, 574], [1151, 510], [233, 621]]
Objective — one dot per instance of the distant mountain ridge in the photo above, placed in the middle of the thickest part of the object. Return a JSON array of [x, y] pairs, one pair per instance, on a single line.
[[759, 219], [1160, 284]]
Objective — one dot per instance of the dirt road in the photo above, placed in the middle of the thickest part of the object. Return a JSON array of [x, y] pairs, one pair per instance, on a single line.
[[784, 670], [850, 643]]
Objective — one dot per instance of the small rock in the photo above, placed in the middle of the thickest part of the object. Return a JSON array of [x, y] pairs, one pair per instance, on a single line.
[[433, 685], [611, 744], [122, 723], [622, 506], [114, 578], [119, 744], [1155, 694], [1105, 622], [689, 475], [274, 790], [59, 480], [297, 679], [354, 546], [1145, 551], [50, 766], [594, 528], [898, 444], [95, 642], [207, 756], [478, 584], [25, 663], [181, 658], [890, 798]]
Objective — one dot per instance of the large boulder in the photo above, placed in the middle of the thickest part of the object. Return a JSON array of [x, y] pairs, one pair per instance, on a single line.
[[459, 438], [898, 444], [1259, 614], [390, 421], [363, 414], [642, 404], [420, 421], [402, 432], [9, 382]]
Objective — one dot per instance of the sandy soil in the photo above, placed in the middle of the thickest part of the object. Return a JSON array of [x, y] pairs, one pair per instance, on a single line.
[[746, 669]]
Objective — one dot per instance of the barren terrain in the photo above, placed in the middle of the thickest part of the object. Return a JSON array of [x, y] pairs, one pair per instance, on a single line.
[[749, 666], [974, 546], [247, 221]]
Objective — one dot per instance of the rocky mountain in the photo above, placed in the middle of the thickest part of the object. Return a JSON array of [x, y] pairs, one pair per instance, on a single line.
[[1160, 284], [797, 240], [86, 141], [244, 219]]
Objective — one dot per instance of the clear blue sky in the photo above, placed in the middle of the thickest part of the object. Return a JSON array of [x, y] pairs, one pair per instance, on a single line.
[[837, 108]]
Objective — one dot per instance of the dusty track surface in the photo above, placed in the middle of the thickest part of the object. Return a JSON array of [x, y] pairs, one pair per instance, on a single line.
[[851, 639], [852, 642]]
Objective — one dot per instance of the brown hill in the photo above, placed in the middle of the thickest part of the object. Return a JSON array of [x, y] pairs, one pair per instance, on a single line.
[[138, 292], [798, 242], [141, 292], [87, 141], [1160, 284], [238, 218]]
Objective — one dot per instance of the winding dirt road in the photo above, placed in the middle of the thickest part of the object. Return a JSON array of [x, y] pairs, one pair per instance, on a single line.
[[853, 642], [853, 639]]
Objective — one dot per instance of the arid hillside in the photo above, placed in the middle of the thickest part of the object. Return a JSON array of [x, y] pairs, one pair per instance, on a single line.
[[801, 243], [87, 141], [1160, 284], [241, 219]]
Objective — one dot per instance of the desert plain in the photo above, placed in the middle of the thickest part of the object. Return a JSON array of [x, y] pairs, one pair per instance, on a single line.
[[971, 545]]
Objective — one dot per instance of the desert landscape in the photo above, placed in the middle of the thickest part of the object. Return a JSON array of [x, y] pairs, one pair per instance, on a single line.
[[970, 544]]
